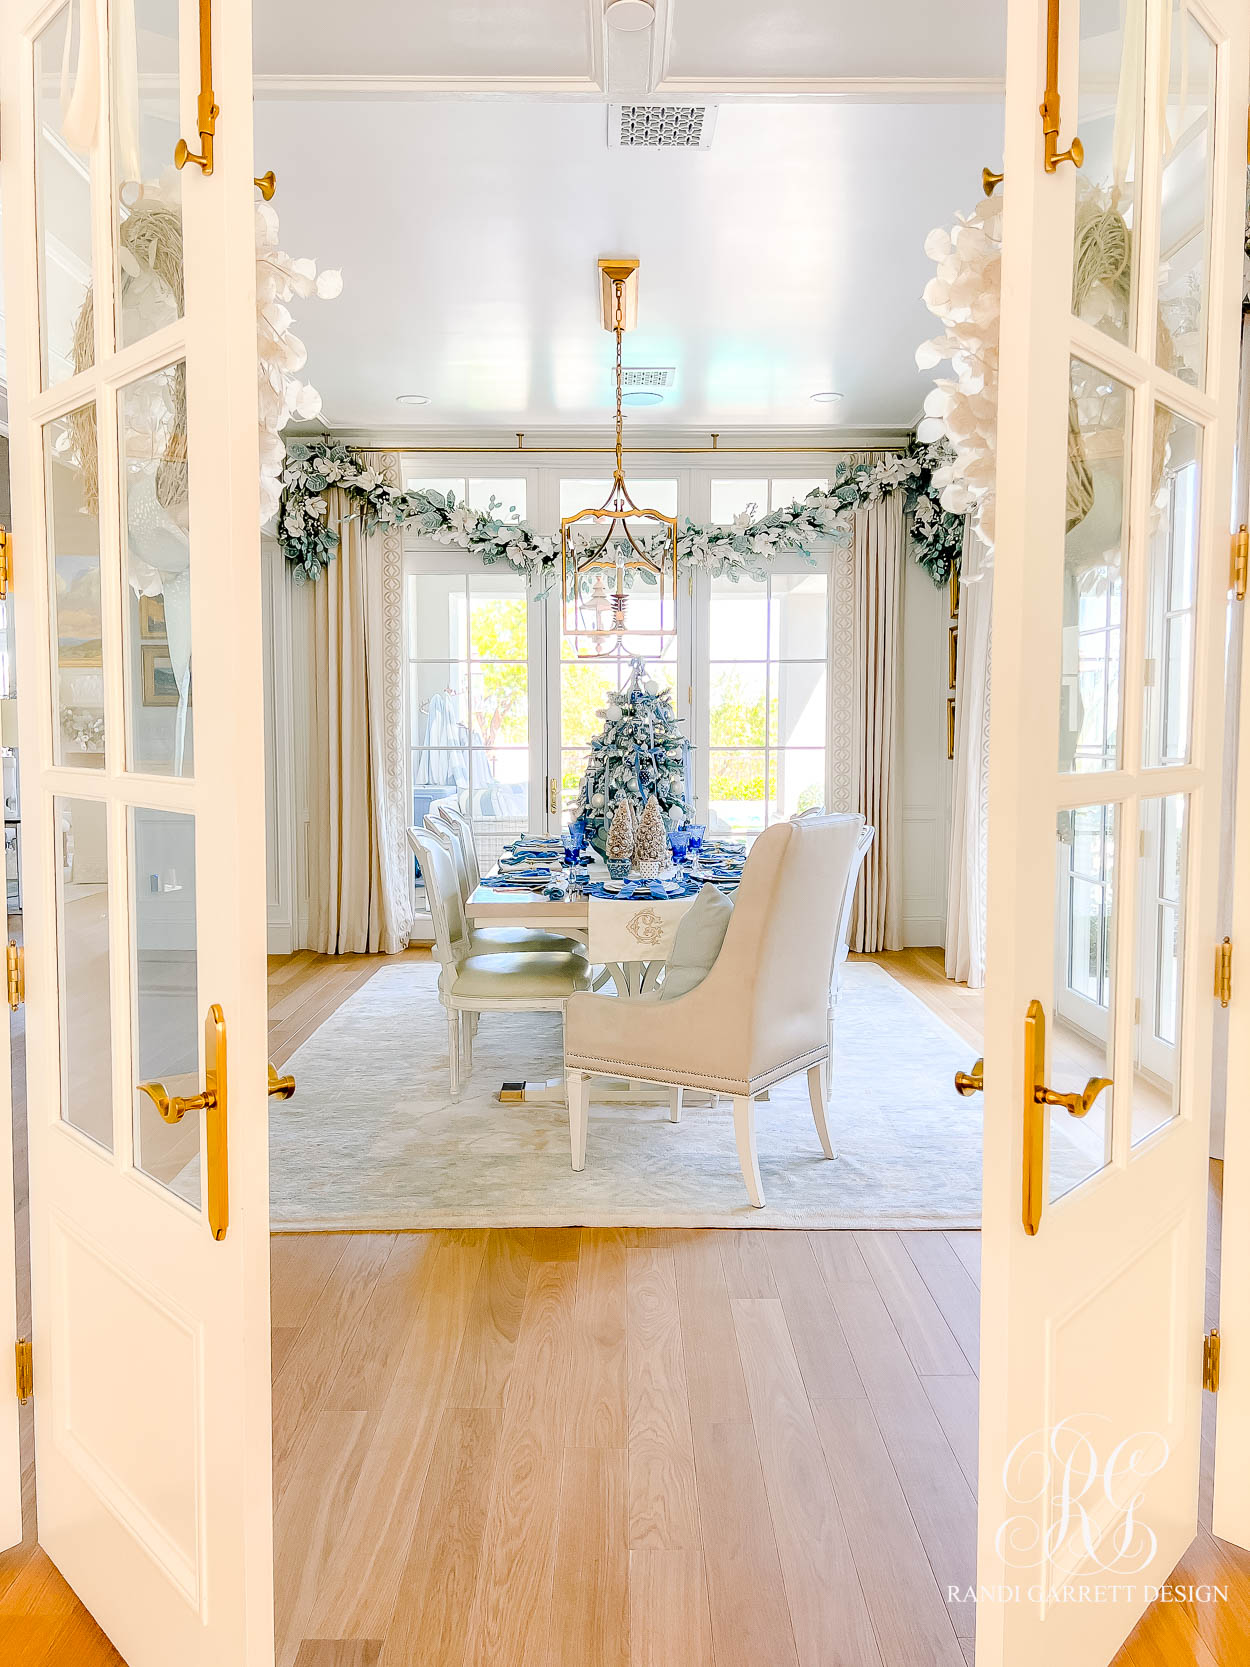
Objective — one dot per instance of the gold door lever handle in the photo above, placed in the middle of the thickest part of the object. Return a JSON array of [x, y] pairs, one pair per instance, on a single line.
[[212, 1102], [971, 1082], [173, 1107], [283, 1087], [1079, 1105]]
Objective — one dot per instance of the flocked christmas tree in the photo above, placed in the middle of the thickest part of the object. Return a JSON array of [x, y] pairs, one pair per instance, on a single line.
[[639, 752]]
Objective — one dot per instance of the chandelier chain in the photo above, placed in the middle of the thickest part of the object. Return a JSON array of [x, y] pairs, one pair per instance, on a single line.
[[619, 290]]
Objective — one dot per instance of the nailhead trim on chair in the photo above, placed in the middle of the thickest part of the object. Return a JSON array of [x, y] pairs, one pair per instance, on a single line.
[[596, 1066]]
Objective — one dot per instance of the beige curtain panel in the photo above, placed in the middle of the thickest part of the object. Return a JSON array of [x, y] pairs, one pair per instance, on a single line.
[[358, 884], [879, 550]]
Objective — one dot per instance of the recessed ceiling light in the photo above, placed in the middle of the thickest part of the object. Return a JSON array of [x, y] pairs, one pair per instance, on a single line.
[[630, 15], [642, 396], [827, 398], [412, 399]]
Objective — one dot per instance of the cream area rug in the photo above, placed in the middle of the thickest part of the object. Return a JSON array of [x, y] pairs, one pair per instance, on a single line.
[[372, 1138]]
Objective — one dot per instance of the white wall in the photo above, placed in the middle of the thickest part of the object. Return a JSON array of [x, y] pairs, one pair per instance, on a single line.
[[925, 771]]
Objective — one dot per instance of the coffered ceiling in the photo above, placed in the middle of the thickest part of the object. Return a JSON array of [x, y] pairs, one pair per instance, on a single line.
[[785, 259]]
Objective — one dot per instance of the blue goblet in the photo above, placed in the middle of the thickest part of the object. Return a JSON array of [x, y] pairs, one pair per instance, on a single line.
[[679, 843], [697, 831]]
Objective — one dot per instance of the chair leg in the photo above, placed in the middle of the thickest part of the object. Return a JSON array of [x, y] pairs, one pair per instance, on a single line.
[[816, 1093], [575, 1085], [744, 1133], [674, 1103], [453, 1050], [826, 1069], [469, 1026]]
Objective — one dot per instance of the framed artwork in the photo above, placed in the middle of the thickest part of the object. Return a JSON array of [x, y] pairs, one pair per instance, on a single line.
[[160, 686], [152, 618]]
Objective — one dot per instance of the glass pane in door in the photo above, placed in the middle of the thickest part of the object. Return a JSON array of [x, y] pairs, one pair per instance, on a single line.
[[167, 1017], [1172, 586], [152, 428], [1099, 435], [1108, 119], [66, 114], [469, 705], [1159, 961], [82, 944], [73, 519], [147, 189], [1081, 1043], [1188, 127]]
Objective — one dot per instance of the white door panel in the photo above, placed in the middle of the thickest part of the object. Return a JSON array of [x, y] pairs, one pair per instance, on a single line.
[[10, 1440], [1231, 1504], [132, 385], [1116, 420]]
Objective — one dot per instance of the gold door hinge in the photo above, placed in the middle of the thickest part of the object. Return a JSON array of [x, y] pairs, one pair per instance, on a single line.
[[25, 1370], [6, 562], [15, 969], [1224, 972], [1240, 571], [1211, 1360]]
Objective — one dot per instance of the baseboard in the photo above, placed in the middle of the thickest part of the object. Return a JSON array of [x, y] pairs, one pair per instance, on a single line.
[[280, 938], [924, 932]]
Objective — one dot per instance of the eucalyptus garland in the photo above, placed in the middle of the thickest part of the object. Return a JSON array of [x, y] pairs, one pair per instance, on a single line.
[[742, 549]]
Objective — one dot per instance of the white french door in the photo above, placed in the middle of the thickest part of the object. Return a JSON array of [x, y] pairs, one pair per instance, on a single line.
[[132, 386], [1117, 408]]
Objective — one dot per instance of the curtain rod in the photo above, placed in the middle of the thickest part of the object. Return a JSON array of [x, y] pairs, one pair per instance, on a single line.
[[609, 451]]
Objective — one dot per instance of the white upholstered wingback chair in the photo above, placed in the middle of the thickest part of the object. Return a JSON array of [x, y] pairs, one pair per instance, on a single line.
[[842, 943], [470, 983], [462, 827], [495, 940], [760, 1015]]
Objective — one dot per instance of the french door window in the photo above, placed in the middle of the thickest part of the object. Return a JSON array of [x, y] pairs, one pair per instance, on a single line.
[[501, 712]]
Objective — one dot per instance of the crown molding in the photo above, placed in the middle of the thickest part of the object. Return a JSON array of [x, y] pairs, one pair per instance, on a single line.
[[426, 87], [545, 442], [668, 90], [918, 89]]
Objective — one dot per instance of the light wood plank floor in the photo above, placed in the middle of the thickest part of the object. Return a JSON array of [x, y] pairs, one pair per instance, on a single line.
[[627, 1447]]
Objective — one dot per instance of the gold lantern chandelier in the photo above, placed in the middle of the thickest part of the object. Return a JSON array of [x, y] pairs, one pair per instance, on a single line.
[[618, 563]]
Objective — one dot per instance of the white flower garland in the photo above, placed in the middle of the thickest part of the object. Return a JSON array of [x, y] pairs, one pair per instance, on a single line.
[[280, 353], [742, 549], [962, 410]]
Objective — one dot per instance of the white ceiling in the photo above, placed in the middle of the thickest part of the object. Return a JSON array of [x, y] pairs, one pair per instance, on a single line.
[[786, 259], [744, 40]]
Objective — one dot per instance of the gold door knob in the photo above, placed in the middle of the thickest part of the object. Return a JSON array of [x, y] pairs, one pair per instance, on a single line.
[[971, 1082], [282, 1087], [212, 1102], [989, 180], [267, 184]]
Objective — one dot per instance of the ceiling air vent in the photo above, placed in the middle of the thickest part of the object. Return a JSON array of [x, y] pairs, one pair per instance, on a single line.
[[660, 126], [648, 376]]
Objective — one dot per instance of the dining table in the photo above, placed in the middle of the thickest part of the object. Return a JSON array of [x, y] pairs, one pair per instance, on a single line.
[[629, 938]]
